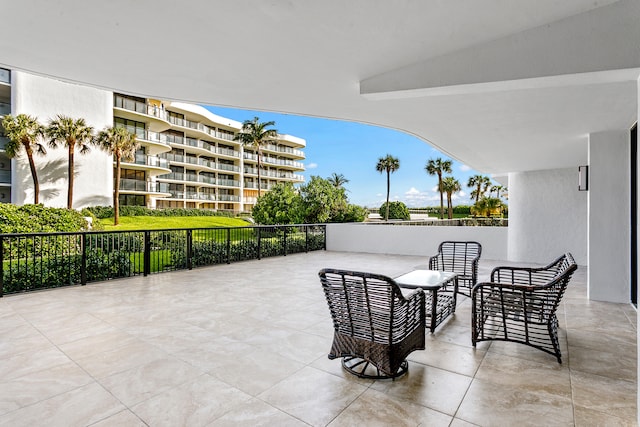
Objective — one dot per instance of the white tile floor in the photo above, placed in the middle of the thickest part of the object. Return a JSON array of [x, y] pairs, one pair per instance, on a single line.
[[246, 344]]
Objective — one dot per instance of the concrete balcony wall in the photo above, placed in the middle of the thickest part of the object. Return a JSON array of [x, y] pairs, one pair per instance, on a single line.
[[413, 240]]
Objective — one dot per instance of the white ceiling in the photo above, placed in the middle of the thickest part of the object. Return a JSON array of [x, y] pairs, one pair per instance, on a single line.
[[502, 85]]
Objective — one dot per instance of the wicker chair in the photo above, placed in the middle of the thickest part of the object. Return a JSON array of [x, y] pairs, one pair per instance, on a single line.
[[519, 305], [461, 258], [375, 326]]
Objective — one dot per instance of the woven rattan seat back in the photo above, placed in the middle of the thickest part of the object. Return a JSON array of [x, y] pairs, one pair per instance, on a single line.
[[520, 304], [461, 258], [372, 320]]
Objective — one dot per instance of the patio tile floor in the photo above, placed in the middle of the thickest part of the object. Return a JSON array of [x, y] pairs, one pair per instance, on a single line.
[[245, 345]]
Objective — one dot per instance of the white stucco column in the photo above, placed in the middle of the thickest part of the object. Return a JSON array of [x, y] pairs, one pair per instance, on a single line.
[[547, 216], [609, 236]]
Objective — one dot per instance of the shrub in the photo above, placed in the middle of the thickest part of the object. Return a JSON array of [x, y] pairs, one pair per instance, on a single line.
[[397, 210], [39, 219], [102, 212]]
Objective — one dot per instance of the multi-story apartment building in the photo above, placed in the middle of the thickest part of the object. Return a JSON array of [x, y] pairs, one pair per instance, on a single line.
[[5, 163], [188, 156]]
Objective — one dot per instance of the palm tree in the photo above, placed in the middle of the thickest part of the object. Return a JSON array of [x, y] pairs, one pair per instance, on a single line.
[[388, 164], [498, 189], [438, 167], [337, 180], [66, 131], [481, 184], [450, 185], [255, 134], [123, 145], [24, 131]]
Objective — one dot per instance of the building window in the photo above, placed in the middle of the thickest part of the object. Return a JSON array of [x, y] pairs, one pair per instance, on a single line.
[[132, 200], [132, 126]]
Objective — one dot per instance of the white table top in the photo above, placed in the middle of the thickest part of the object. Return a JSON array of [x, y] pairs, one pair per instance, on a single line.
[[425, 279]]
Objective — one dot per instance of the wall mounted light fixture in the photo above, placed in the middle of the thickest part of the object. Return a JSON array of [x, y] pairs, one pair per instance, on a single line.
[[583, 178]]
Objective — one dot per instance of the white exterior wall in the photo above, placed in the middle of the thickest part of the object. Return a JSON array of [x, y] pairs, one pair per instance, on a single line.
[[547, 216], [609, 208], [44, 98], [413, 240]]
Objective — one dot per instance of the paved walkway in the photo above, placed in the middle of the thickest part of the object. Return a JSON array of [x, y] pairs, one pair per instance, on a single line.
[[246, 344]]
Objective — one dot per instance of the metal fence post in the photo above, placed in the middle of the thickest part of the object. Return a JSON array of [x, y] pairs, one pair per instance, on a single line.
[[147, 253], [189, 249], [83, 264], [284, 240], [228, 246], [257, 229], [324, 229]]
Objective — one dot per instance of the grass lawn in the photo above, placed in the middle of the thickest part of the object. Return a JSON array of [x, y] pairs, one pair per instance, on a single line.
[[161, 222]]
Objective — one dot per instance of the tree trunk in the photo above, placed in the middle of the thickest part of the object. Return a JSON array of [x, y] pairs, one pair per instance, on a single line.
[[386, 218], [116, 194], [449, 206], [34, 176], [259, 184], [441, 199], [70, 172]]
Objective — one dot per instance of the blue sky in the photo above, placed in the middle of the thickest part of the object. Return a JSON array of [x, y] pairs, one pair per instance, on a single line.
[[353, 150]]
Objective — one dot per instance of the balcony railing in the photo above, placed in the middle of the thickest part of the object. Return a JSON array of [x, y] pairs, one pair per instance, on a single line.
[[228, 182], [139, 107], [127, 184], [283, 149], [228, 198], [143, 159], [48, 260]]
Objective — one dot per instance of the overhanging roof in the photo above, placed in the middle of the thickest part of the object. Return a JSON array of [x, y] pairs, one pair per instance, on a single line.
[[501, 86]]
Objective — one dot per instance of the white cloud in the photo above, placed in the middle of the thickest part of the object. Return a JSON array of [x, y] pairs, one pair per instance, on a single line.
[[435, 189], [412, 190], [465, 168], [312, 166]]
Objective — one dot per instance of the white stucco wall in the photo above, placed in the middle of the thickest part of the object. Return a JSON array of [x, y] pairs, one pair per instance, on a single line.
[[547, 216], [609, 209], [45, 98], [413, 240]]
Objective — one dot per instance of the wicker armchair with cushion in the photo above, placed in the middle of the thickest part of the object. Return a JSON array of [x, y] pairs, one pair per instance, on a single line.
[[375, 326], [461, 258], [519, 305]]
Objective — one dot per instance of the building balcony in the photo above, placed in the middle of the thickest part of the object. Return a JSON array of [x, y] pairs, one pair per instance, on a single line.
[[164, 323], [228, 182], [284, 149], [135, 186], [155, 142], [153, 165], [155, 116], [267, 160], [228, 198]]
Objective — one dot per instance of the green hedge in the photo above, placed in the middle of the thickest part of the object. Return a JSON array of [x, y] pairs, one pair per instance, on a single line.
[[102, 212], [39, 219]]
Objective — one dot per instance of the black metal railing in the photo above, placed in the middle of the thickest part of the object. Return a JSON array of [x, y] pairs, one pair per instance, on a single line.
[[36, 261]]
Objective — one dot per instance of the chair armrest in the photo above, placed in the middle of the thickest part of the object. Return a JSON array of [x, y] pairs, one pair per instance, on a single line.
[[415, 309], [505, 286], [521, 275]]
